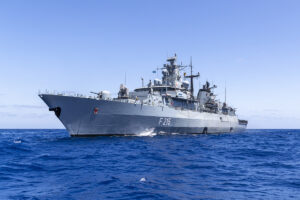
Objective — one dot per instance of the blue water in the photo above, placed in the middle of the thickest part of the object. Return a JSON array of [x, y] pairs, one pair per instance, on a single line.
[[48, 164]]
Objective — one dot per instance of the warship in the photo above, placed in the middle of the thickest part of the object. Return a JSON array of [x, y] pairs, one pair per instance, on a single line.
[[166, 105]]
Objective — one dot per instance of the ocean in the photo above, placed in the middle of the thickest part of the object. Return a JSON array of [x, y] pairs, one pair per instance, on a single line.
[[48, 164]]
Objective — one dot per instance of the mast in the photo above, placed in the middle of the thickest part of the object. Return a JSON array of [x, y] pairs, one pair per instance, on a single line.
[[192, 76], [125, 79], [225, 93]]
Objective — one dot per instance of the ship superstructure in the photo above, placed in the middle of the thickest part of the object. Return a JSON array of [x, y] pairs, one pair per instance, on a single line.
[[166, 105]]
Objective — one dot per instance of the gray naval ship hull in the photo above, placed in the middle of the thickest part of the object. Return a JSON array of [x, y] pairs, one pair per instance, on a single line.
[[91, 117]]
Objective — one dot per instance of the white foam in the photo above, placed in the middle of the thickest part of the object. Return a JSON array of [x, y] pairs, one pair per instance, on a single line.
[[147, 132], [17, 141], [143, 179]]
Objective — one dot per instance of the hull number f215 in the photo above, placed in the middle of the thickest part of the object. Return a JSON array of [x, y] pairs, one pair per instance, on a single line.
[[164, 121]]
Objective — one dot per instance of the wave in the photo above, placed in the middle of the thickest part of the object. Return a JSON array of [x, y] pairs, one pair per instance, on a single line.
[[48, 164]]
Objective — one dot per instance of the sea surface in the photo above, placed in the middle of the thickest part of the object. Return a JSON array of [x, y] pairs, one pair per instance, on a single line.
[[48, 164]]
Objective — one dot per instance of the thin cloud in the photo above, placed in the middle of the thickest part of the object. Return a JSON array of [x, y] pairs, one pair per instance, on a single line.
[[22, 106], [25, 115], [7, 114], [36, 115], [271, 110], [28, 106]]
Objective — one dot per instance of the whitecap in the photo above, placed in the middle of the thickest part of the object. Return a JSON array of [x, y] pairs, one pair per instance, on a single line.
[[17, 141], [143, 179]]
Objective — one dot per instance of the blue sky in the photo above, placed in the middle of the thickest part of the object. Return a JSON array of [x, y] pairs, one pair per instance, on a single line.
[[82, 46]]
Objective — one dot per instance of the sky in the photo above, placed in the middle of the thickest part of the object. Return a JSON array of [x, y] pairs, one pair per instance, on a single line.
[[251, 46]]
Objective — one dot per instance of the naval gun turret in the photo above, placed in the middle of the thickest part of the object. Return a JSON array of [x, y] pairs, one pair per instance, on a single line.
[[102, 94]]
